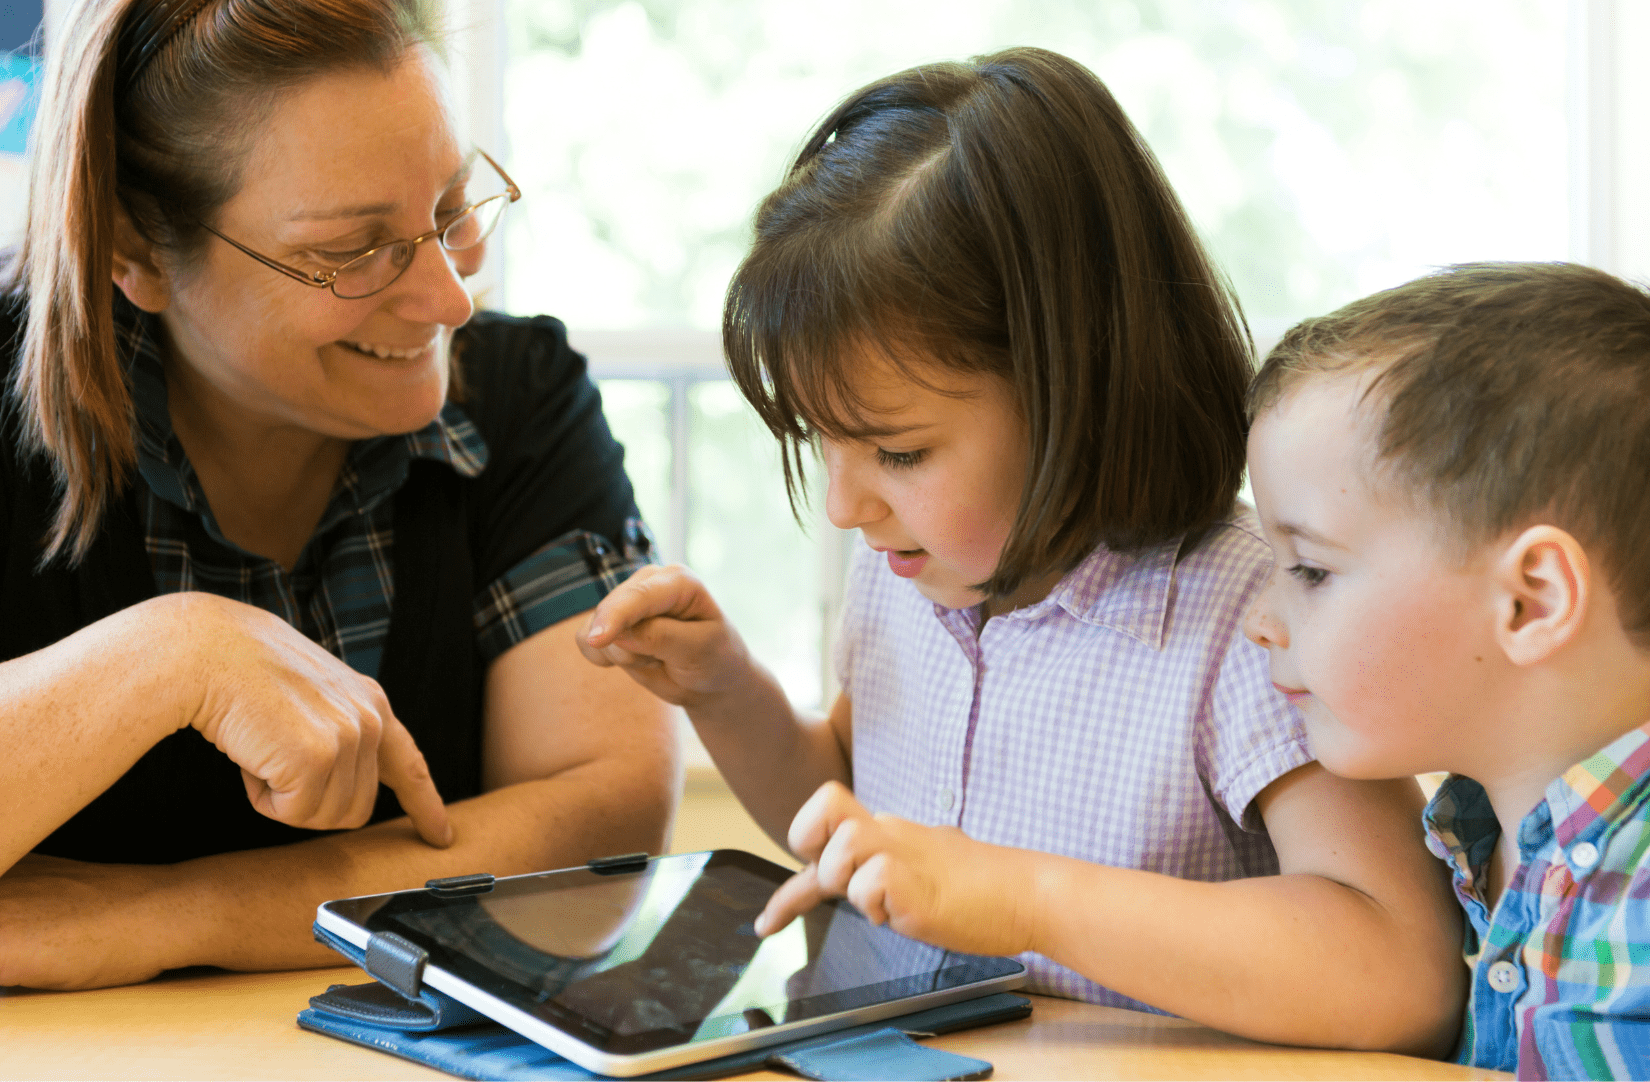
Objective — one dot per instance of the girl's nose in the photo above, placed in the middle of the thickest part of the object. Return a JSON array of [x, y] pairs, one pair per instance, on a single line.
[[849, 503], [1261, 624]]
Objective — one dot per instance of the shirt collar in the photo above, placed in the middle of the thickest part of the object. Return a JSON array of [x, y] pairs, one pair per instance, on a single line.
[[1580, 804], [1598, 791], [374, 469], [1126, 593]]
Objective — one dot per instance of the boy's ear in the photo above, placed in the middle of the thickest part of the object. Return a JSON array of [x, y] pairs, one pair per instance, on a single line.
[[137, 270], [1544, 583]]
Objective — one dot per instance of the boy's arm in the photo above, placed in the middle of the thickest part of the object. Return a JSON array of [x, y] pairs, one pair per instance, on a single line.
[[1356, 944], [665, 630]]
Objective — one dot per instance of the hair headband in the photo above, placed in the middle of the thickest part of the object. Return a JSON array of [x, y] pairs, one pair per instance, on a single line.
[[147, 33]]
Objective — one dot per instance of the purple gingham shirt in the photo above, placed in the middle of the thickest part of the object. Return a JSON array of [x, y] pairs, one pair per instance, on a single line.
[[1123, 720]]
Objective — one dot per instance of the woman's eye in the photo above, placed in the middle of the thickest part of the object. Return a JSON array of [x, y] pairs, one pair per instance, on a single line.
[[1311, 576], [339, 258], [900, 460]]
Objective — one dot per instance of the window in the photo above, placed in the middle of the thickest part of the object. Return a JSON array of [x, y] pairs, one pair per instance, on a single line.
[[1325, 150]]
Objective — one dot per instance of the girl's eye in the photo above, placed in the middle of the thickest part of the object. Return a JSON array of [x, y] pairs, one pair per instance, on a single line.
[[900, 460], [1311, 576]]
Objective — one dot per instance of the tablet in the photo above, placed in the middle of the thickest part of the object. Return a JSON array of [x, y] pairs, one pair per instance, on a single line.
[[652, 966]]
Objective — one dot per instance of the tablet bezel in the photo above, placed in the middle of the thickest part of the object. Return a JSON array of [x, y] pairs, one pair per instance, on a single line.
[[570, 1045]]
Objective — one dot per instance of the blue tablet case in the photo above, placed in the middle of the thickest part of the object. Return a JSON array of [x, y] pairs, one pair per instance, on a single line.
[[432, 1028]]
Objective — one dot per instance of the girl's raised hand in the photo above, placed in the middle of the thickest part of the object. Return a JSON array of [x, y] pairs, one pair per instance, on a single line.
[[313, 737], [663, 628], [935, 884]]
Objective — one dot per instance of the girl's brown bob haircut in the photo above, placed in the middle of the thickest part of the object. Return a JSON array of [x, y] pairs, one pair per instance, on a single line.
[[1004, 217], [158, 139]]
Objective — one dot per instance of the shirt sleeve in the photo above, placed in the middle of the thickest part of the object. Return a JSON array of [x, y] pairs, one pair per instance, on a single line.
[[1250, 735], [564, 578], [554, 525], [1254, 735]]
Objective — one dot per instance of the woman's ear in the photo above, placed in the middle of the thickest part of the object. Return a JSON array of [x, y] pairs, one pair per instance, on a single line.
[[1544, 582], [137, 270]]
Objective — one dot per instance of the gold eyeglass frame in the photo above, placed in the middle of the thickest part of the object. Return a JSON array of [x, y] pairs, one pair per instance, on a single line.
[[327, 279]]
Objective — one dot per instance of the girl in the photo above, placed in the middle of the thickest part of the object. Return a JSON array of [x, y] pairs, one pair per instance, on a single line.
[[977, 296]]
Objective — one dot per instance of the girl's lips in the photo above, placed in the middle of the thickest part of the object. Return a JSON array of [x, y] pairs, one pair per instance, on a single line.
[[907, 564], [1292, 694]]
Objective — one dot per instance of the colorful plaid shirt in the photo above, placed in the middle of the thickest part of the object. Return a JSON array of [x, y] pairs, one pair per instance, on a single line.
[[1123, 720], [1561, 968], [340, 591]]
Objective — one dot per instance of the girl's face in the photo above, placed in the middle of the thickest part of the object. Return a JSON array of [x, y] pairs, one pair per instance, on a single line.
[[345, 162], [934, 477]]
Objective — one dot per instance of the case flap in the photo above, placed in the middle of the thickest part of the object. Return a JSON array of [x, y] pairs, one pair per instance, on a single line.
[[883, 1053], [490, 1051]]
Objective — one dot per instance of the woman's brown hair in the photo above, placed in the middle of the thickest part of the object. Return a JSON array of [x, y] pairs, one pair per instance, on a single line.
[[1004, 217], [148, 106]]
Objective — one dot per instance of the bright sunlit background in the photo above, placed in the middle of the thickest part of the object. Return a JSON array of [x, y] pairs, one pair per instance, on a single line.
[[1325, 149]]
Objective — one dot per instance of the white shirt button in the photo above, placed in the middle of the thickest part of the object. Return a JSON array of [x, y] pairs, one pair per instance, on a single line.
[[1503, 976], [1584, 854], [947, 798]]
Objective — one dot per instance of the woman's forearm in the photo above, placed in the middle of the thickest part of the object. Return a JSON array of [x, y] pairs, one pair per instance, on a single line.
[[253, 910], [76, 715]]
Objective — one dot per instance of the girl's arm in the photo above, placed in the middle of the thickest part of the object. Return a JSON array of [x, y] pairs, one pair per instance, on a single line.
[[664, 629], [1357, 944], [581, 763], [313, 738]]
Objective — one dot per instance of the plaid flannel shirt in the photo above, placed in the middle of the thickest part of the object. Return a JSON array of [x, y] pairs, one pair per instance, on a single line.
[[1561, 968], [341, 590]]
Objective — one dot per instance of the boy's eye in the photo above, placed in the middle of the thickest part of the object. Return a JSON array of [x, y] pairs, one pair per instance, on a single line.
[[900, 460], [1311, 576]]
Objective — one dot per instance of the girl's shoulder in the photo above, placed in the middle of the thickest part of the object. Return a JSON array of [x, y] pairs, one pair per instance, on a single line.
[[1233, 546]]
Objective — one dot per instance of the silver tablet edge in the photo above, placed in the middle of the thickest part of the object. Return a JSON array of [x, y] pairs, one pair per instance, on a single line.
[[625, 1066]]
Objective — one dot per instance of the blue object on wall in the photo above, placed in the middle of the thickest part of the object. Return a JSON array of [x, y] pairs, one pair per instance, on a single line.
[[18, 20], [18, 73]]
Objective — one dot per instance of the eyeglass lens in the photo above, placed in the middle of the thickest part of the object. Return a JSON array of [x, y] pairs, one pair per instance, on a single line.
[[379, 269]]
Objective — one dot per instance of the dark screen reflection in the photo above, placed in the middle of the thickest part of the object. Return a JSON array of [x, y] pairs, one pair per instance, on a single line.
[[670, 948]]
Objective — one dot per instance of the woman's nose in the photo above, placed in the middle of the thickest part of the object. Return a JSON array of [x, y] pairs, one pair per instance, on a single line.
[[433, 290], [1261, 624]]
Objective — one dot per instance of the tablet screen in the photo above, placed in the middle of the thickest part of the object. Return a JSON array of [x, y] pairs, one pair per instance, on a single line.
[[645, 959]]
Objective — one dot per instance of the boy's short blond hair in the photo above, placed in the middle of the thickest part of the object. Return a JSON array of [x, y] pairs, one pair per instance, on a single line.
[[1514, 393]]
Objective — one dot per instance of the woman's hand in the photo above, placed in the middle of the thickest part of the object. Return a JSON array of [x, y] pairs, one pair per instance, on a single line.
[[663, 628], [313, 737], [935, 884]]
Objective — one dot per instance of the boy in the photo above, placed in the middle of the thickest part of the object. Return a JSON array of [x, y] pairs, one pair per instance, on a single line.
[[1454, 477]]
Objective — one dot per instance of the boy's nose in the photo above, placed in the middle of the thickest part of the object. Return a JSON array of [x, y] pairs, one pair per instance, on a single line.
[[1261, 624]]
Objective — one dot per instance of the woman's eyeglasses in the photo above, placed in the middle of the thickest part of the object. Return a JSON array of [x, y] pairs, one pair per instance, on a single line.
[[377, 269]]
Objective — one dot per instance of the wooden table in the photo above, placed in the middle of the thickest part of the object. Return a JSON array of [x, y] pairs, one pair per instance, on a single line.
[[210, 1024]]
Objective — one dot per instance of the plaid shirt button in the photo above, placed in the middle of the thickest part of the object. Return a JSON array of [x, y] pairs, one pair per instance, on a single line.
[[1504, 977], [1584, 855]]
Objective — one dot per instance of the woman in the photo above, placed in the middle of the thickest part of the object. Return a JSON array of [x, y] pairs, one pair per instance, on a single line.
[[281, 520]]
